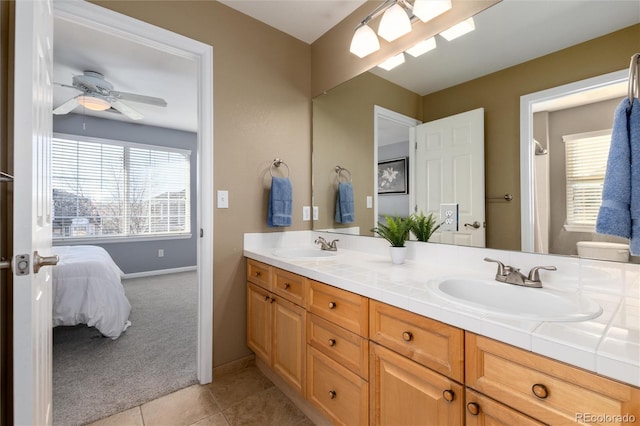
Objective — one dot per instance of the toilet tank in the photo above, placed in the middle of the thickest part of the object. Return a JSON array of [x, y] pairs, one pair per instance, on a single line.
[[603, 250]]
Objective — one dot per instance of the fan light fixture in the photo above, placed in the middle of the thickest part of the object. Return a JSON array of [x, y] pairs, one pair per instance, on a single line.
[[426, 10], [394, 23], [93, 103]]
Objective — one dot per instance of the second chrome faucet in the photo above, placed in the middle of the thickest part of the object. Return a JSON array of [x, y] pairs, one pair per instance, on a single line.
[[325, 245], [510, 275]]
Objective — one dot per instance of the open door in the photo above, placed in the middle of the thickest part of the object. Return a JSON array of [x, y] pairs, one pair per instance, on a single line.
[[32, 333], [450, 169]]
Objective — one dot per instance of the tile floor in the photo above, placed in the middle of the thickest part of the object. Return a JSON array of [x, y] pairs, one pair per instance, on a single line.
[[245, 397]]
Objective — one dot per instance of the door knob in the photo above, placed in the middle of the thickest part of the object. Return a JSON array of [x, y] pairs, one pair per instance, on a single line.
[[40, 261], [474, 225]]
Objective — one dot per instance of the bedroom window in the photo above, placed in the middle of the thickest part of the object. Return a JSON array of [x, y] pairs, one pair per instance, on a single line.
[[586, 162], [111, 189]]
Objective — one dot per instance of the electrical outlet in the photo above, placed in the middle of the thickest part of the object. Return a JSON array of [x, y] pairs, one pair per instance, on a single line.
[[160, 252], [306, 213], [449, 217], [315, 212]]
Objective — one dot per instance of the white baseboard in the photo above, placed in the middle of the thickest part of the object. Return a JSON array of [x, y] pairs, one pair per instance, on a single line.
[[159, 272]]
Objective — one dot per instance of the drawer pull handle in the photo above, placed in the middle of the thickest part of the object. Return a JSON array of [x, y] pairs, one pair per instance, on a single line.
[[332, 394], [540, 391], [286, 286], [273, 300], [266, 298], [448, 395], [332, 305], [473, 408], [407, 336], [332, 342], [258, 273]]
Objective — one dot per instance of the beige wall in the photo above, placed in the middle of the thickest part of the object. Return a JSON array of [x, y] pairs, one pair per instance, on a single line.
[[262, 110], [343, 129], [499, 94]]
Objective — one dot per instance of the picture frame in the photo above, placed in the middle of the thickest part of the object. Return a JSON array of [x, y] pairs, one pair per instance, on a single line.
[[393, 176]]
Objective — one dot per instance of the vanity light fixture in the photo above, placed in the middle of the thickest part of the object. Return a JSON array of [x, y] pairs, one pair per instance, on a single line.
[[426, 10], [364, 41], [422, 47], [392, 62], [457, 30], [93, 103], [394, 23]]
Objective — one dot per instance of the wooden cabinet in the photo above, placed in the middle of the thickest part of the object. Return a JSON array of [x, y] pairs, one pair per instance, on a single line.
[[431, 343], [483, 411], [290, 286], [276, 326], [349, 310], [545, 389], [404, 392]]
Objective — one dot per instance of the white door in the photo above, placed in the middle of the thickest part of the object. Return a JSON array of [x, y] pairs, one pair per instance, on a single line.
[[450, 169], [32, 213]]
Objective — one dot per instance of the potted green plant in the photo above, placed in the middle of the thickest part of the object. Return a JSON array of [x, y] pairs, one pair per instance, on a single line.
[[396, 231], [424, 226]]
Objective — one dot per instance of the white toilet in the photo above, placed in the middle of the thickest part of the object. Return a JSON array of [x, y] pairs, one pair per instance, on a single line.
[[602, 250]]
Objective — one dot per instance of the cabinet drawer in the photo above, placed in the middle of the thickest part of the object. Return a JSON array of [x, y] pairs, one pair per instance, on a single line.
[[548, 390], [259, 273], [482, 410], [340, 394], [341, 307], [431, 343], [292, 287], [404, 392], [345, 347]]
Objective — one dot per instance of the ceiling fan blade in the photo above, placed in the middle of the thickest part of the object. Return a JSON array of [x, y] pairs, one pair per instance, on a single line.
[[138, 98], [127, 110], [66, 107], [65, 85]]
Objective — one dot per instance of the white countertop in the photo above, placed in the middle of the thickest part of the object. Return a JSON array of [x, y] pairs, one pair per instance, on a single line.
[[608, 345]]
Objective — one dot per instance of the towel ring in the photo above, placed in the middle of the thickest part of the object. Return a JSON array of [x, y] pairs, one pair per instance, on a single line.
[[347, 177], [277, 163], [634, 76]]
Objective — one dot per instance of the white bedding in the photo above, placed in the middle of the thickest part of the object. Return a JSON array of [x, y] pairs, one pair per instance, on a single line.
[[87, 290]]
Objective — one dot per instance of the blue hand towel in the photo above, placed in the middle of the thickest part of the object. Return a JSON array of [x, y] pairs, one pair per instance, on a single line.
[[280, 202], [345, 212], [620, 210]]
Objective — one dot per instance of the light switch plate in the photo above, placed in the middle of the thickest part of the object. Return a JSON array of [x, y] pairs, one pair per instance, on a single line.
[[369, 202], [306, 213], [223, 199], [315, 212], [449, 217]]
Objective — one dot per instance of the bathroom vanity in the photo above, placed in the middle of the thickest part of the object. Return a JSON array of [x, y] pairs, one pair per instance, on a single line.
[[367, 342]]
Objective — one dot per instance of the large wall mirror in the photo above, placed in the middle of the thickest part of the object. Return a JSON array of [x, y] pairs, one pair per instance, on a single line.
[[519, 49]]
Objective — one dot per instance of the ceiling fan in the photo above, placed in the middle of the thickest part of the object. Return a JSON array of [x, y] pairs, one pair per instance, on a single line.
[[98, 95]]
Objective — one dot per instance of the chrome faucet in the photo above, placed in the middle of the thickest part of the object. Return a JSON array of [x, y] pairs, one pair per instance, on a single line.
[[510, 275], [325, 245]]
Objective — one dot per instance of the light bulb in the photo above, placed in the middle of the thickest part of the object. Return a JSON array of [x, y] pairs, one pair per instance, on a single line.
[[394, 23], [364, 41]]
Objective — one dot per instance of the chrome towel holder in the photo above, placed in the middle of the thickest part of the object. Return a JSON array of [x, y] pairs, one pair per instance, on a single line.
[[277, 163], [341, 172]]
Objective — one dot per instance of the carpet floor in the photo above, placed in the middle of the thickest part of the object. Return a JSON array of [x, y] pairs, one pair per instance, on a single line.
[[94, 377]]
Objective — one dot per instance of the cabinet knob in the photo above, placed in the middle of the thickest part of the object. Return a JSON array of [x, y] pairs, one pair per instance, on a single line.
[[273, 300], [286, 286], [473, 408], [407, 336], [332, 394], [448, 395], [332, 342], [332, 305], [258, 273], [266, 297], [540, 390]]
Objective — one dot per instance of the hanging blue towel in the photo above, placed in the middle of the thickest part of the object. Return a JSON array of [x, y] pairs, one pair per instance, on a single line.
[[345, 211], [280, 202], [620, 210]]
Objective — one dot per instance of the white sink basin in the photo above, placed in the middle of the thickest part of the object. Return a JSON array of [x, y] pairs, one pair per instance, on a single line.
[[304, 253], [513, 301]]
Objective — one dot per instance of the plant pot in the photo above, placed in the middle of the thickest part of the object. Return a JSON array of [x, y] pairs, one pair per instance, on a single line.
[[398, 255]]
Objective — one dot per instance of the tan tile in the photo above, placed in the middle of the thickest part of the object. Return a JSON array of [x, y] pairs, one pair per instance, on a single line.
[[215, 420], [232, 388], [184, 407], [234, 366], [130, 417], [267, 408]]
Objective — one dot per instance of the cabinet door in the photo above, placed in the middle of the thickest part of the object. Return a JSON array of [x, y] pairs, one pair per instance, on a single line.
[[404, 392], [259, 321], [484, 411], [289, 343]]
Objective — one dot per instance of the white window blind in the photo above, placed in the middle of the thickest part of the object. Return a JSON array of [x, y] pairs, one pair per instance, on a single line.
[[586, 163], [106, 189]]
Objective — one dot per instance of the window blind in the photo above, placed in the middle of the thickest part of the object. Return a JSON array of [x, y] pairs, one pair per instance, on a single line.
[[586, 163], [105, 189]]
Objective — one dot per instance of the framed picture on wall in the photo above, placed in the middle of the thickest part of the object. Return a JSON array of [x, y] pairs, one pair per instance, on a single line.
[[393, 177]]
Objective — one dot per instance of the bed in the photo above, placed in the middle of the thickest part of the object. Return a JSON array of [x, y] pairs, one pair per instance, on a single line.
[[87, 290]]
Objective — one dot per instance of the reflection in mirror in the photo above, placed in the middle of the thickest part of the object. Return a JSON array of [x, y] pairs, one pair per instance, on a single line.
[[343, 118]]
